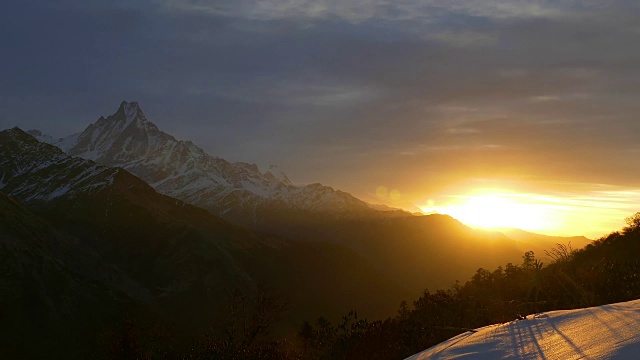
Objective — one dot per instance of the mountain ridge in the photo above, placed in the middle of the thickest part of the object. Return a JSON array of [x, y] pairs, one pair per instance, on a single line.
[[239, 191], [184, 258]]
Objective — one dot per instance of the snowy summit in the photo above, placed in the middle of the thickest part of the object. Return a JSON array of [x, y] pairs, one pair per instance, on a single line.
[[238, 191], [604, 332]]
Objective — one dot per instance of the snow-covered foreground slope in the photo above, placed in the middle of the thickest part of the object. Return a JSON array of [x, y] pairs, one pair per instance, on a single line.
[[604, 332]]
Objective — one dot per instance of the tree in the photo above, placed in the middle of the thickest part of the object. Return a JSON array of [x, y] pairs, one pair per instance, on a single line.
[[561, 253], [633, 223], [529, 260], [403, 311], [251, 316]]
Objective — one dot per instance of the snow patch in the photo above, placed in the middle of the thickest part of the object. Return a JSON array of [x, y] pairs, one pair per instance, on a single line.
[[277, 174], [58, 192]]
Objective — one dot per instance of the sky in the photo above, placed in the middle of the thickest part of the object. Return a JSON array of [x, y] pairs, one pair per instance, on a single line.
[[418, 104]]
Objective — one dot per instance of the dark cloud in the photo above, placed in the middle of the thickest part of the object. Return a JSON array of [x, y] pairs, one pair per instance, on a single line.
[[354, 94]]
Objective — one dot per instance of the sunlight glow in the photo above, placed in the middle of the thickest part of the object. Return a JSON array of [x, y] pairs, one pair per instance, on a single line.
[[494, 209], [571, 209], [594, 210]]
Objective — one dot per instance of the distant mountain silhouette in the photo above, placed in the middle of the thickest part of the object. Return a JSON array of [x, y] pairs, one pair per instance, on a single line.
[[540, 243]]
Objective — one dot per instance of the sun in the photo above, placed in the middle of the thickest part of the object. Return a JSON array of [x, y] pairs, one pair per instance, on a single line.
[[495, 210]]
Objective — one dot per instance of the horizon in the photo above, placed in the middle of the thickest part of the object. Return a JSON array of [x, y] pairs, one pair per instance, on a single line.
[[491, 208], [438, 106], [473, 212]]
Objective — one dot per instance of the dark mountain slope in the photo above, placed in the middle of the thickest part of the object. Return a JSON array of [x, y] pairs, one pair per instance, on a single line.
[[187, 259], [50, 288], [431, 251]]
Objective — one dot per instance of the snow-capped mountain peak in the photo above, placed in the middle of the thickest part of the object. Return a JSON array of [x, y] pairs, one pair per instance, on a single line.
[[64, 143], [120, 138], [131, 112], [180, 169], [276, 174]]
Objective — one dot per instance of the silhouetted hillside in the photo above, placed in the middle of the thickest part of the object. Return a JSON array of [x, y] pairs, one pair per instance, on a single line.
[[187, 260], [605, 271], [54, 293], [420, 251]]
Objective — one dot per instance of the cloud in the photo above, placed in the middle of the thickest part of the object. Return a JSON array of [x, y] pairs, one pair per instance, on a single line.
[[364, 90], [353, 10], [505, 9], [293, 92], [463, 38], [357, 11], [323, 95]]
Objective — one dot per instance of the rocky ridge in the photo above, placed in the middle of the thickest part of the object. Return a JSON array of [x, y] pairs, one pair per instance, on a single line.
[[239, 191]]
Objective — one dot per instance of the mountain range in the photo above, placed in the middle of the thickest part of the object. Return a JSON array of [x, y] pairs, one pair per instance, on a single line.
[[172, 257], [126, 218], [270, 203], [238, 192]]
